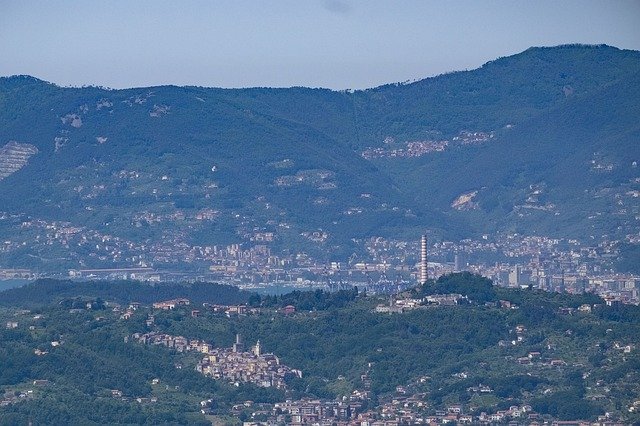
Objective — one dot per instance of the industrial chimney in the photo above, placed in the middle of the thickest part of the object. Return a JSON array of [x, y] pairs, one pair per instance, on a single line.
[[423, 260]]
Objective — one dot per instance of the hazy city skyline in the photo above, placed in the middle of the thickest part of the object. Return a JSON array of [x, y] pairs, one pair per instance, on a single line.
[[338, 44]]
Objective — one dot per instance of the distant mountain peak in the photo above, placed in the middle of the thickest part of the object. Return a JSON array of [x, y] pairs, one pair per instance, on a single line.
[[16, 81], [22, 78], [580, 46]]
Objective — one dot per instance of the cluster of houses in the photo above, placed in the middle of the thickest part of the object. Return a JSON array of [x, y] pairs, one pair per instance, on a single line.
[[17, 396], [230, 310], [514, 412], [171, 304], [400, 410], [406, 150], [168, 305], [178, 343], [238, 366], [535, 358], [407, 304], [412, 409], [315, 411]]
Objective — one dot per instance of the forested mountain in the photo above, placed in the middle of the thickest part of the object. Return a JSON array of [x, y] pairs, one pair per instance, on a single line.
[[569, 170], [543, 141]]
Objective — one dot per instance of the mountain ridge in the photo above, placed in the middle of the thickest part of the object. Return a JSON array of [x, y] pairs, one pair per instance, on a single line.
[[530, 50], [291, 161]]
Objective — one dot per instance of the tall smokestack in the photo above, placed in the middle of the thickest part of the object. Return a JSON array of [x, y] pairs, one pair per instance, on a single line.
[[423, 260]]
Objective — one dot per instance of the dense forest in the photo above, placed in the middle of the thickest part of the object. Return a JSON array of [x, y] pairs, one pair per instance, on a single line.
[[45, 291]]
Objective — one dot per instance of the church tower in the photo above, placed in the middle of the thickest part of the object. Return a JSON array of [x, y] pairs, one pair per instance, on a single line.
[[238, 346]]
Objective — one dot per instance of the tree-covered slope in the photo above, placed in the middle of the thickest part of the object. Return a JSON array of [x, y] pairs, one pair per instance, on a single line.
[[147, 164], [505, 91], [107, 156], [47, 291], [570, 357], [568, 170]]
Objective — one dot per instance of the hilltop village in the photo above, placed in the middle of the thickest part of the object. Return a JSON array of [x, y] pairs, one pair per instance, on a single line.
[[234, 364], [238, 364]]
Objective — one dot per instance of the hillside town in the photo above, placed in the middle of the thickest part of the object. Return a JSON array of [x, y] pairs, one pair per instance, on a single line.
[[393, 149], [234, 365]]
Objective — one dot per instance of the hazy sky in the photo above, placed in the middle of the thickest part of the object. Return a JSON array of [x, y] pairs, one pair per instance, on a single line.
[[338, 44]]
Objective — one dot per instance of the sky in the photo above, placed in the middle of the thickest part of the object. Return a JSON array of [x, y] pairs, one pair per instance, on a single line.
[[338, 44]]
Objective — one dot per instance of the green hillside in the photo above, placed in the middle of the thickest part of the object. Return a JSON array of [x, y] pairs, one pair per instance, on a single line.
[[141, 164], [504, 91], [577, 155], [524, 347]]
